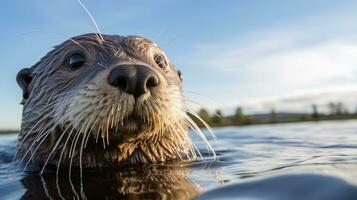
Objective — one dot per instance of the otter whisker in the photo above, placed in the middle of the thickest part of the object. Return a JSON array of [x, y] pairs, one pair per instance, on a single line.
[[44, 185], [32, 144], [103, 135], [113, 117], [81, 166], [107, 129], [174, 148], [201, 120], [30, 131], [63, 149], [201, 95], [64, 93], [60, 121], [34, 152], [77, 135], [50, 97], [49, 108], [74, 143], [98, 131], [70, 182], [89, 127], [59, 163], [97, 37], [59, 192], [87, 130], [92, 18], [54, 148], [100, 64], [198, 131], [196, 150], [191, 146], [194, 127], [74, 189], [184, 139], [59, 189], [43, 136]]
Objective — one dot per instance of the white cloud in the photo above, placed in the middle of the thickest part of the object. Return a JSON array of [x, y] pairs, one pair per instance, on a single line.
[[266, 68]]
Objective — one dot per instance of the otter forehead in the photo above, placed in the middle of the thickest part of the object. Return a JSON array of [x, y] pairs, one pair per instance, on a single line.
[[113, 45], [113, 41]]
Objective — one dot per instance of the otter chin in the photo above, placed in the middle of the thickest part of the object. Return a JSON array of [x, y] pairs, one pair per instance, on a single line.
[[131, 126], [102, 101]]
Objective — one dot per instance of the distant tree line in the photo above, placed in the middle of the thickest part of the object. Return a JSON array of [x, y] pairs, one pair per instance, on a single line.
[[218, 119], [335, 111]]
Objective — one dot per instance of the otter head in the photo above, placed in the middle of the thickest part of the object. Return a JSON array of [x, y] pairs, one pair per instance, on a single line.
[[103, 103]]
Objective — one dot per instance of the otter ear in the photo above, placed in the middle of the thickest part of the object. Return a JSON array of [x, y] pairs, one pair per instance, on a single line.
[[24, 78]]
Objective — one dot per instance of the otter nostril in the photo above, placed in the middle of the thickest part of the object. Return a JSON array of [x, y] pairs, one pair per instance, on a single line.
[[121, 82], [152, 81], [122, 78]]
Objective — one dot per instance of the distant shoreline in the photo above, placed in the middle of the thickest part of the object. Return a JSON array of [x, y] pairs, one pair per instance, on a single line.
[[9, 131], [217, 120], [228, 122], [286, 121]]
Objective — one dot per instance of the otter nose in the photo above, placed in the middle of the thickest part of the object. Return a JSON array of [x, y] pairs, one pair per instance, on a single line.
[[133, 79]]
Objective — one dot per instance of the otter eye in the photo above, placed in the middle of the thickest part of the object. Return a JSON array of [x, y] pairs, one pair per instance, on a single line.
[[76, 60], [160, 61]]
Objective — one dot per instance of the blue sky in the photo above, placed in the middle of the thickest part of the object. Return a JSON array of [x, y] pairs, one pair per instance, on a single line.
[[258, 54]]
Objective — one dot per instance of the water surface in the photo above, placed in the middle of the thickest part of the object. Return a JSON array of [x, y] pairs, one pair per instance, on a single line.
[[295, 161]]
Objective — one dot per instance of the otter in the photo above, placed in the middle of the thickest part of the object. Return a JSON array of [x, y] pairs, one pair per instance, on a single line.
[[99, 101]]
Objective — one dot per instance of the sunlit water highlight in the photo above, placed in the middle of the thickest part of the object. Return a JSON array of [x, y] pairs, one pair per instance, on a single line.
[[255, 162]]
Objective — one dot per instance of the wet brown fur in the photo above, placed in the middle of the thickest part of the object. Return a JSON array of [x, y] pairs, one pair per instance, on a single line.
[[70, 115]]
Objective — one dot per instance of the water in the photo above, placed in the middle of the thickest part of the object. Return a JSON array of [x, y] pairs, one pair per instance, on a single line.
[[282, 161]]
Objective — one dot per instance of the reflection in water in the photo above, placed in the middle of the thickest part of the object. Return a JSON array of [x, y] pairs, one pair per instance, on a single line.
[[154, 182]]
